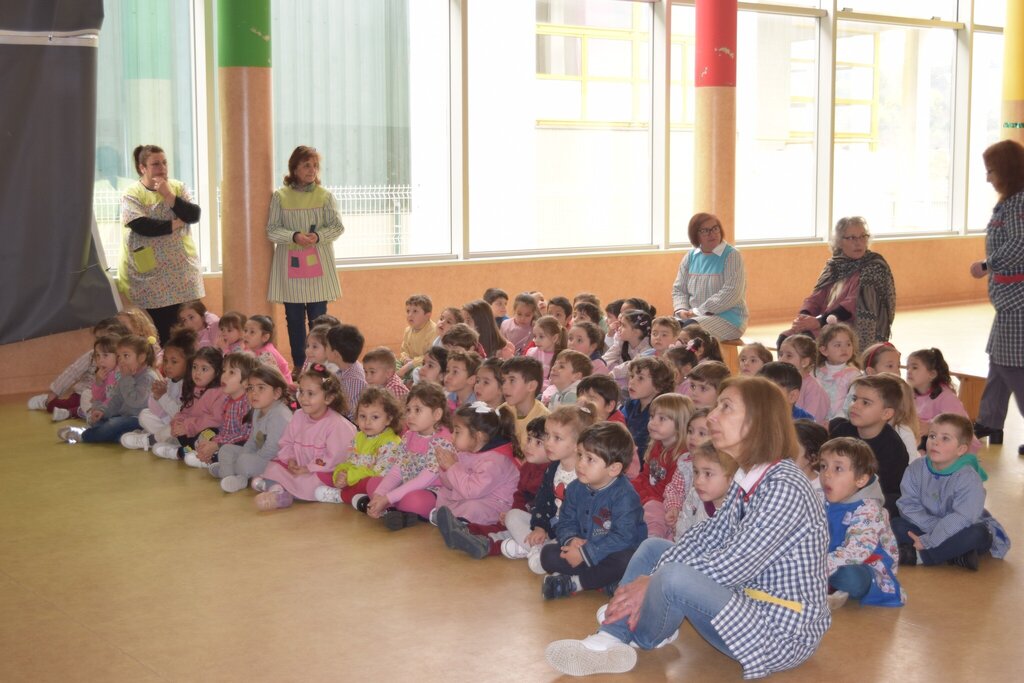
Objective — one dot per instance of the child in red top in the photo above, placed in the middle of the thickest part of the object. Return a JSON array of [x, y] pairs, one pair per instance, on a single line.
[[670, 413]]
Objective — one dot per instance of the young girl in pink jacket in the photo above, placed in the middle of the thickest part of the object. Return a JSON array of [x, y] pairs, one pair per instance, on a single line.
[[479, 482], [317, 440], [202, 404], [929, 377]]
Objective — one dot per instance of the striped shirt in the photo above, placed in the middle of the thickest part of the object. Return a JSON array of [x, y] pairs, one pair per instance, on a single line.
[[713, 284], [295, 210], [768, 545]]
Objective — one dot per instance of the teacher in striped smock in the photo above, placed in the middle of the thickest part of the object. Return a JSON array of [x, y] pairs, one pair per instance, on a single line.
[[711, 287], [303, 224]]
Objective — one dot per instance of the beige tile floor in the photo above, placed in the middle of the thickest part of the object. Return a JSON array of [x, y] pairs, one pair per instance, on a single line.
[[117, 566]]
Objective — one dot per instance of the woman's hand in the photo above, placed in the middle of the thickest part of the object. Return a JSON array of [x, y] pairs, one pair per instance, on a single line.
[[305, 239], [445, 459], [683, 313], [977, 270], [628, 601], [163, 188], [806, 323], [378, 504], [177, 224]]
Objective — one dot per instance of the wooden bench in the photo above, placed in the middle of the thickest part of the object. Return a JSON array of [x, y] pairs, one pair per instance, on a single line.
[[971, 388], [731, 353]]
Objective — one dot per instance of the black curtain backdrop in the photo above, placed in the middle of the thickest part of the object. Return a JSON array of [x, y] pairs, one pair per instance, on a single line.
[[50, 275]]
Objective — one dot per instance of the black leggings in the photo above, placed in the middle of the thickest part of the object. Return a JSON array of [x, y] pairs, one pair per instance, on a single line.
[[164, 318]]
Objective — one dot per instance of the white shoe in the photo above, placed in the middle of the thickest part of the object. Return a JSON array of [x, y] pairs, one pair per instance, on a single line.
[[513, 551], [837, 600], [601, 653], [192, 460], [234, 483], [37, 402], [60, 414], [327, 494], [137, 440], [70, 435], [165, 450], [533, 559]]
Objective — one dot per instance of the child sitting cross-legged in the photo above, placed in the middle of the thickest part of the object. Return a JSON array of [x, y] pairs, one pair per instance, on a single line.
[[531, 530], [875, 399], [942, 506], [268, 418], [601, 523], [567, 370], [234, 428], [165, 394], [379, 368], [378, 417], [480, 540], [316, 440], [862, 554], [406, 492], [202, 405], [479, 478]]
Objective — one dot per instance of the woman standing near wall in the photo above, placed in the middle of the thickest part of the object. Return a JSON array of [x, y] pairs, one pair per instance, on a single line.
[[159, 264], [303, 224], [1004, 265]]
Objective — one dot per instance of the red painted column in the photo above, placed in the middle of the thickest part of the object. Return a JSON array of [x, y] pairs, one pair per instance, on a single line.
[[714, 159]]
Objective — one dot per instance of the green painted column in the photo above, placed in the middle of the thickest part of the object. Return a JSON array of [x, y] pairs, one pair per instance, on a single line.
[[247, 151]]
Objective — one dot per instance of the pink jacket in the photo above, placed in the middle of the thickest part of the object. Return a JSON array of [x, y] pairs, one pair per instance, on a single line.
[[207, 410], [545, 358], [814, 400], [945, 402], [269, 355], [480, 486], [209, 335]]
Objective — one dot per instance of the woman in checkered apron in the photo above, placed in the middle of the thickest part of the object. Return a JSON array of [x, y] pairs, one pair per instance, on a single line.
[[751, 580], [1004, 266]]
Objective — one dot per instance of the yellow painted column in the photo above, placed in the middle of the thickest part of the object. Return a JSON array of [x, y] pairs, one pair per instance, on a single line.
[[714, 159], [247, 151], [1013, 72]]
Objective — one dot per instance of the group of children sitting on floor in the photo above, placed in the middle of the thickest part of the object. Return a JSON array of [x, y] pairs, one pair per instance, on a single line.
[[562, 434]]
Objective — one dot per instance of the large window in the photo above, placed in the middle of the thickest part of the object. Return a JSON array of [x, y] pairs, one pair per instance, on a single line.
[[986, 120], [559, 125], [894, 126], [367, 84], [144, 96]]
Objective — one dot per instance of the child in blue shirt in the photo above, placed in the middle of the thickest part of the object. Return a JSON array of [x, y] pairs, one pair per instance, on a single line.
[[601, 522]]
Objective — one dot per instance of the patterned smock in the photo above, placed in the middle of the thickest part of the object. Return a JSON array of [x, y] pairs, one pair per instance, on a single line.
[[295, 210], [158, 271]]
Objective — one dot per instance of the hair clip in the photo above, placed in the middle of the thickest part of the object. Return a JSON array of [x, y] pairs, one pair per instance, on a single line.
[[318, 367], [584, 409], [692, 345], [152, 340], [481, 407], [831, 320]]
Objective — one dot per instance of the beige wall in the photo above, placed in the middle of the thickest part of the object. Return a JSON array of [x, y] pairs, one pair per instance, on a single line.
[[930, 272]]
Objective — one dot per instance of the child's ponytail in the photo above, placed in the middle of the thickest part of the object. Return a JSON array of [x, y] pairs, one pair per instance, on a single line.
[[494, 423], [935, 362]]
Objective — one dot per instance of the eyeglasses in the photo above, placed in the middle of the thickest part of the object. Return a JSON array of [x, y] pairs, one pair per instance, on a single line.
[[856, 238], [709, 231]]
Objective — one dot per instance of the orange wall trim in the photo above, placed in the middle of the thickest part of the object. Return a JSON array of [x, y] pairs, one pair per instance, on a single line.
[[928, 272]]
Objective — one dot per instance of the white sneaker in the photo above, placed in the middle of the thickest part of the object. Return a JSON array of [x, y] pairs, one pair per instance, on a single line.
[[37, 402], [533, 559], [234, 483], [327, 494], [165, 450], [192, 460], [60, 414], [837, 600], [137, 440], [513, 551], [595, 654], [70, 435]]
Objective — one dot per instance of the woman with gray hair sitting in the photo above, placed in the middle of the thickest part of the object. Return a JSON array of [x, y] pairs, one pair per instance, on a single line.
[[855, 287]]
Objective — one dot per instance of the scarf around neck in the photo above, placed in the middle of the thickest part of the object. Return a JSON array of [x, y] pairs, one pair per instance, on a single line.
[[967, 460], [876, 296]]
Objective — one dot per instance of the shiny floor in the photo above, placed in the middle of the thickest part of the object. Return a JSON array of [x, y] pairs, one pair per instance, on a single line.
[[117, 566]]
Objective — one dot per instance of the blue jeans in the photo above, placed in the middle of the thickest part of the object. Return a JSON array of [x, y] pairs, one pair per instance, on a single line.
[[295, 316], [675, 593], [975, 537], [109, 430], [854, 579]]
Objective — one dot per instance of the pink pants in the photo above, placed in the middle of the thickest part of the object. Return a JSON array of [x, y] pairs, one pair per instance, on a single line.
[[654, 515], [419, 502]]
